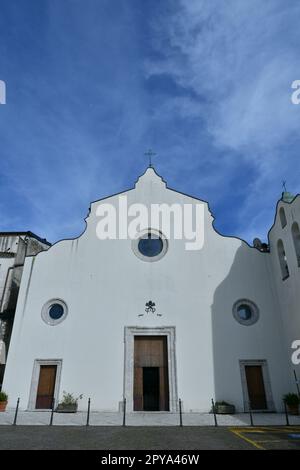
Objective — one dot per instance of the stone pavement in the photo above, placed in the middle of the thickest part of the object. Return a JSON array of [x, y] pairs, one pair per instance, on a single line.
[[117, 438], [145, 419], [109, 438]]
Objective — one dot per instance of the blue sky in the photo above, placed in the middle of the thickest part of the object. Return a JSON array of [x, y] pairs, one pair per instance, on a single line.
[[92, 84]]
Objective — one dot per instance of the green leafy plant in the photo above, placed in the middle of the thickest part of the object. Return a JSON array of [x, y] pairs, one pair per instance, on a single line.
[[69, 399], [291, 399], [3, 396], [222, 403]]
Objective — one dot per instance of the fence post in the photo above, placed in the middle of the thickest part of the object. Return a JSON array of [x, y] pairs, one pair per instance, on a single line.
[[88, 413], [214, 411], [16, 412], [250, 413], [52, 412], [297, 382], [286, 414], [124, 412], [180, 413]]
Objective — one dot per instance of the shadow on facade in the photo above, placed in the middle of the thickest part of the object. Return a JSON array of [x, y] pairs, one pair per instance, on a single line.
[[235, 344]]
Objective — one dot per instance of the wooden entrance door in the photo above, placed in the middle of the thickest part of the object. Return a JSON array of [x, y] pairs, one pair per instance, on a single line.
[[151, 380], [256, 387], [46, 386], [151, 388]]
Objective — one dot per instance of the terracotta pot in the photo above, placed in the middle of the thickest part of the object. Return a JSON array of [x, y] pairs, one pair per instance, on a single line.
[[293, 409], [3, 405]]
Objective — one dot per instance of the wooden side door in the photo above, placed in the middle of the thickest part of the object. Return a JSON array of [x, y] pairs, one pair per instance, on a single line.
[[46, 387], [256, 387]]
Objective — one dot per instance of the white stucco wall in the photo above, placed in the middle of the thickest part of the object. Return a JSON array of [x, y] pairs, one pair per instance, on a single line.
[[288, 290], [106, 287]]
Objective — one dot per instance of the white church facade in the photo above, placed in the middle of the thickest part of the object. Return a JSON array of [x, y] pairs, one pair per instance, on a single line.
[[152, 322]]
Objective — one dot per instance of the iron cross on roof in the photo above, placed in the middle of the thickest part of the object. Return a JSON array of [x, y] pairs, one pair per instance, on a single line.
[[150, 154]]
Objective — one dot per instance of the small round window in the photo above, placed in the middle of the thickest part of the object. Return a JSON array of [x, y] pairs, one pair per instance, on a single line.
[[54, 312], [150, 245], [245, 312]]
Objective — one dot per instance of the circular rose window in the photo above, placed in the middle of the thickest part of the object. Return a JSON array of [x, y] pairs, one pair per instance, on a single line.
[[150, 245], [245, 312], [54, 312]]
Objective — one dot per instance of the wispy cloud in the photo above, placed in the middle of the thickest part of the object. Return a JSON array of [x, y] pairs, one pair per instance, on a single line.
[[240, 58]]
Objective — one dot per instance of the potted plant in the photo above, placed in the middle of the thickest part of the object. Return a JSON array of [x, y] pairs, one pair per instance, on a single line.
[[69, 403], [224, 408], [3, 401], [292, 402]]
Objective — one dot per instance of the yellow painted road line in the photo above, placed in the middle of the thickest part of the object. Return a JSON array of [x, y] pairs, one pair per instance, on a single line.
[[264, 429], [289, 429], [271, 440], [247, 439], [241, 431], [248, 430]]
